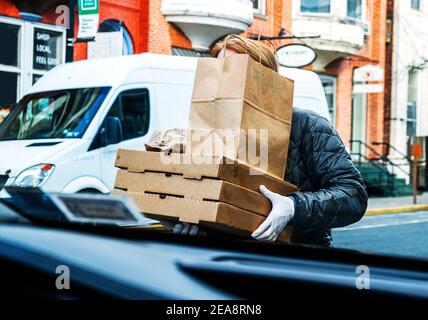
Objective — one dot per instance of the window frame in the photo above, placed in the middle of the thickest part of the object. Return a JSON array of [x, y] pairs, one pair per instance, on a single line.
[[25, 69], [95, 142], [19, 69], [63, 46], [333, 79], [321, 14], [261, 10], [363, 11], [419, 8]]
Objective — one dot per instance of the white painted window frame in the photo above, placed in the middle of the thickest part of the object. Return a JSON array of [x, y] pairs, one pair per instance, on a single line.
[[262, 8], [25, 69], [19, 69], [317, 14], [363, 11], [334, 81]]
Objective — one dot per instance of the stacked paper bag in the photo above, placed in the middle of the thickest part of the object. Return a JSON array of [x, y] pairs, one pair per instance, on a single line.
[[215, 182]]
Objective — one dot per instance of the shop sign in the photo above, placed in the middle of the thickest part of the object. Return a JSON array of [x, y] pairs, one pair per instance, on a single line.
[[369, 73], [46, 51], [88, 19], [417, 151], [296, 55], [368, 88]]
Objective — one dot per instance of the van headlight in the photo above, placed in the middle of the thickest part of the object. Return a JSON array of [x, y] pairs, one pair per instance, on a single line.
[[34, 176]]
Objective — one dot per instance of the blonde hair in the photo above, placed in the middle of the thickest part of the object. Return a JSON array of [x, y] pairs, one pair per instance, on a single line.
[[256, 49]]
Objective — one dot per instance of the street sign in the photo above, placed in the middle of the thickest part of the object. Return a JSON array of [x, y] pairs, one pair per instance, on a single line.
[[369, 73], [368, 88], [106, 44], [296, 55], [88, 19], [417, 151]]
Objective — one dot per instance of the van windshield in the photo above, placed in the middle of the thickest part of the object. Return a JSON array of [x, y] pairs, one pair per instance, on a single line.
[[55, 114]]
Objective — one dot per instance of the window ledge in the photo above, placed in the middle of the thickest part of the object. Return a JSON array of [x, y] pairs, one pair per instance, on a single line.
[[260, 16]]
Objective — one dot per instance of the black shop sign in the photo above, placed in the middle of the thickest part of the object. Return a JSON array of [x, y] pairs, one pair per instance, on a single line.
[[46, 52]]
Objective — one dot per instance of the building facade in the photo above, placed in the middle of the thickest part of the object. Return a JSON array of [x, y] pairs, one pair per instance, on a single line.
[[352, 35], [351, 45], [32, 44], [35, 33], [409, 78]]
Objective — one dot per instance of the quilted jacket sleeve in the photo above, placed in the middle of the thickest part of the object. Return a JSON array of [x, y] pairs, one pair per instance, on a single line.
[[342, 198]]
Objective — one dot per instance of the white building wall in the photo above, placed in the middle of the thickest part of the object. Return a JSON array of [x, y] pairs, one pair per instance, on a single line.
[[339, 35], [410, 50]]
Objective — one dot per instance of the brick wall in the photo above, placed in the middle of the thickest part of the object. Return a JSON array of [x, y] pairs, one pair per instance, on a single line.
[[377, 52], [343, 70], [278, 14], [374, 52], [159, 36], [134, 14], [388, 77]]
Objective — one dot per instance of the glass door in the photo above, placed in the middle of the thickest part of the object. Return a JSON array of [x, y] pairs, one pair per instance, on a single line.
[[329, 85], [29, 50], [359, 123], [10, 63]]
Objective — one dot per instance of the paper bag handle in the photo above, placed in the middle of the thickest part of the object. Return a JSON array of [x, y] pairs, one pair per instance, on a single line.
[[272, 45], [233, 36], [246, 48]]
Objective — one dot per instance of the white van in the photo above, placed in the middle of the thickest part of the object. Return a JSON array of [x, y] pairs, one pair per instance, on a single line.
[[64, 134]]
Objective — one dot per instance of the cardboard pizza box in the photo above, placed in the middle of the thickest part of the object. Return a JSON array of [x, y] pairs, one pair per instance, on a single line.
[[198, 167], [221, 215], [203, 189]]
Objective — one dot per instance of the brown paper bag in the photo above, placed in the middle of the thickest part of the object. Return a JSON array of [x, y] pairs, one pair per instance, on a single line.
[[241, 110], [168, 141]]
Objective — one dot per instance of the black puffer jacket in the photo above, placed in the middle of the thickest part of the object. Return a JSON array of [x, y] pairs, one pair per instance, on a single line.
[[332, 192]]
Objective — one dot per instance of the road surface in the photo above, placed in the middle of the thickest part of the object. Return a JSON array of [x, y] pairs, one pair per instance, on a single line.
[[404, 234]]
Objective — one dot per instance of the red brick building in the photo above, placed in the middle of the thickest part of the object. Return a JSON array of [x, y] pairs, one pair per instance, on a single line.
[[352, 35], [152, 32]]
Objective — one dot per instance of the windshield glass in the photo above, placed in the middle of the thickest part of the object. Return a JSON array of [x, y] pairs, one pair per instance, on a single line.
[[55, 114]]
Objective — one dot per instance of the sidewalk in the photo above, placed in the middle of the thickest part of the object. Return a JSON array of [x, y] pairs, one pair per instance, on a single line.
[[397, 205]]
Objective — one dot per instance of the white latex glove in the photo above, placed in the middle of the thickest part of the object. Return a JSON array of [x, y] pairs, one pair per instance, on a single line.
[[281, 214]]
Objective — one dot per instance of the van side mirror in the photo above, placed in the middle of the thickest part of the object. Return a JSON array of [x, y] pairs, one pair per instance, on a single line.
[[111, 132]]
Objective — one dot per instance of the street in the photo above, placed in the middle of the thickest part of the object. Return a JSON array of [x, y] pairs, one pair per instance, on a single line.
[[404, 234]]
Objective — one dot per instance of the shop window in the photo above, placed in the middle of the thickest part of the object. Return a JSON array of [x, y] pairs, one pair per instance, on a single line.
[[9, 63], [259, 6], [315, 6], [415, 4], [355, 9], [9, 35], [18, 71], [8, 85], [412, 102], [329, 84]]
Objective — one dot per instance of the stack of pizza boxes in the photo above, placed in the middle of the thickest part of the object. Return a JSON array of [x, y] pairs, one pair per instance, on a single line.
[[207, 190], [237, 103]]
